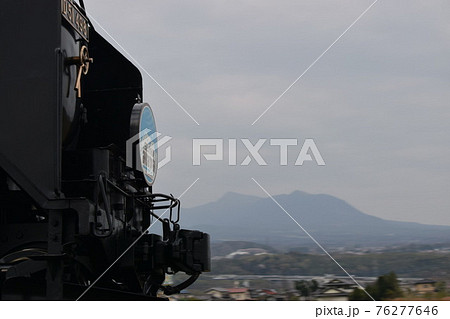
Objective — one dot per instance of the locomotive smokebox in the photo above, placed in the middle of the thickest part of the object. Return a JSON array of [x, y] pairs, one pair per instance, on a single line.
[[63, 87]]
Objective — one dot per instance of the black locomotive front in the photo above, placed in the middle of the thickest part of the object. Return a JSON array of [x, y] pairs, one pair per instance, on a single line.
[[78, 158]]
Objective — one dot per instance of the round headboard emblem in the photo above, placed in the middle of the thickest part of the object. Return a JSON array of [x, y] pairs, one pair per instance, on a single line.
[[143, 129]]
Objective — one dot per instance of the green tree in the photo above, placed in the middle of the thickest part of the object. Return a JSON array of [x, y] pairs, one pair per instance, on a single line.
[[358, 295], [306, 288], [386, 287]]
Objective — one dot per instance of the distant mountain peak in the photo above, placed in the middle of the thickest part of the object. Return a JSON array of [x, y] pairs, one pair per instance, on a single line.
[[298, 193], [332, 221]]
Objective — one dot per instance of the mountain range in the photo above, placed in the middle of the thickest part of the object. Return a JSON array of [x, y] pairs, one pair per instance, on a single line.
[[329, 220]]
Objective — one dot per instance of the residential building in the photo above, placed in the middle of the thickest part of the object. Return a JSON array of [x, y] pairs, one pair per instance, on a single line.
[[424, 286]]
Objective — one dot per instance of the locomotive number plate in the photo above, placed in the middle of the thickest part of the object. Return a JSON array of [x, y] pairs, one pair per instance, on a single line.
[[76, 19]]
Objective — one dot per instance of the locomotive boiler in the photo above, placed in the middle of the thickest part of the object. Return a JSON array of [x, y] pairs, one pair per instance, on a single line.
[[78, 159]]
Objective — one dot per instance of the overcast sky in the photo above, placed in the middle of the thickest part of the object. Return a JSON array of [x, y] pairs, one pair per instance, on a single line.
[[376, 104]]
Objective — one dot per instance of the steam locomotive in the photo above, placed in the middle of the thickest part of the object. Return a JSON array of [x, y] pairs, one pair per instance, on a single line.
[[78, 159]]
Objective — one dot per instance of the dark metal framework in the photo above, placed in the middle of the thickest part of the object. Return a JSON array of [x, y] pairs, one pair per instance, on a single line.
[[69, 206]]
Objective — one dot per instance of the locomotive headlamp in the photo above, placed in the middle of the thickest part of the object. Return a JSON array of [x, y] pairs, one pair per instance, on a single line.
[[143, 130]]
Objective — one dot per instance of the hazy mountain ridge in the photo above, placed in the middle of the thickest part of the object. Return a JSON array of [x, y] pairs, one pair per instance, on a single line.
[[330, 220]]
